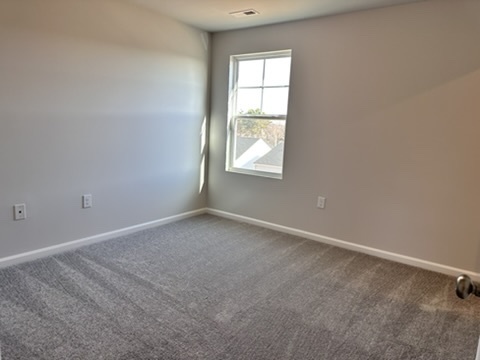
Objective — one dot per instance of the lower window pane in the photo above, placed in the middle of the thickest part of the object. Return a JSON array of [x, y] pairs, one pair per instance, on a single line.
[[258, 145]]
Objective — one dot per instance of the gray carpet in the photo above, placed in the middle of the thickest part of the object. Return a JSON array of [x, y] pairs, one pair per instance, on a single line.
[[210, 288]]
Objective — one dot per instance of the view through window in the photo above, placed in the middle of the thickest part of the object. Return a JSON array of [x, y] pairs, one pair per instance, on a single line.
[[259, 89]]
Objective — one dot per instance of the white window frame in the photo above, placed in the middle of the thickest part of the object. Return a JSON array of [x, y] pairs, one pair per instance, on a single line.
[[233, 118]]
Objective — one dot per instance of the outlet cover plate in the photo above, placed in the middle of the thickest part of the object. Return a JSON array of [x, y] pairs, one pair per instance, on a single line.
[[321, 202], [87, 201]]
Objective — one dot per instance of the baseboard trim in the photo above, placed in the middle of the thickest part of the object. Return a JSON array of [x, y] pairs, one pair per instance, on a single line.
[[407, 260], [71, 245]]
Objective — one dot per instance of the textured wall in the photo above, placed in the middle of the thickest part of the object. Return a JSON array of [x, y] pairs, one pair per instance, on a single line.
[[384, 121], [96, 97]]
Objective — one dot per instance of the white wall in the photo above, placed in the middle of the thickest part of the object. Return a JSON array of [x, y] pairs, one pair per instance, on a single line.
[[384, 121], [96, 97]]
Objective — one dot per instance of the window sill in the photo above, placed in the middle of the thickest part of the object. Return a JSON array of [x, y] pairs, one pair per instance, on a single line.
[[258, 173]]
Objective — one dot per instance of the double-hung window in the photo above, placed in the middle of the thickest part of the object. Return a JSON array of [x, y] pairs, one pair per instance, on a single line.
[[257, 112]]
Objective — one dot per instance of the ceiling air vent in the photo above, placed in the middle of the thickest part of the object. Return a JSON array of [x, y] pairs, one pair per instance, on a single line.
[[244, 13]]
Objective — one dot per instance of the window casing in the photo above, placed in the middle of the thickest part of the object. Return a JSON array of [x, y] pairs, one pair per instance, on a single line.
[[257, 113]]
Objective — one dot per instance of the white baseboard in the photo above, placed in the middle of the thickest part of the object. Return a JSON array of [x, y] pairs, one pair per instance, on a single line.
[[71, 245], [423, 264]]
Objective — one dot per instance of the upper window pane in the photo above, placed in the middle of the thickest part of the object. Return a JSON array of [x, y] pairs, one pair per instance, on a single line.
[[250, 73], [248, 100], [275, 101], [277, 71]]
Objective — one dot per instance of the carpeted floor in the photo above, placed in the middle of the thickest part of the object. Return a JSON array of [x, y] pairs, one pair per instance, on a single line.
[[210, 288]]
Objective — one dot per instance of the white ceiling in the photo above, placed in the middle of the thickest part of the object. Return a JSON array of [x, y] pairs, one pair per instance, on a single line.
[[213, 15]]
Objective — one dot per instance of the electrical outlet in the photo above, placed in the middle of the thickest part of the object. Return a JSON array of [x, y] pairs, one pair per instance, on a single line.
[[19, 212], [321, 202], [87, 201]]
